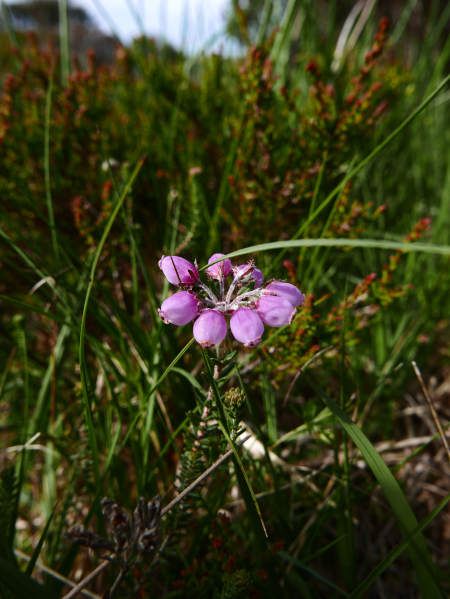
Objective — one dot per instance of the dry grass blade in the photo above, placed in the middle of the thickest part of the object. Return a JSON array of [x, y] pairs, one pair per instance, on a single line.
[[432, 409], [54, 574]]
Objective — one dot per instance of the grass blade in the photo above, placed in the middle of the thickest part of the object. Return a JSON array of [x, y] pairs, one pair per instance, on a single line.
[[389, 559], [24, 587], [224, 190], [64, 40], [51, 218], [311, 572], [37, 551], [249, 497], [114, 213], [366, 160], [153, 389], [380, 244], [419, 553], [83, 373]]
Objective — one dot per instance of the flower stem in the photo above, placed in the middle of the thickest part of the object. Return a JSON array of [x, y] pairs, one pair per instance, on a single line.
[[207, 290]]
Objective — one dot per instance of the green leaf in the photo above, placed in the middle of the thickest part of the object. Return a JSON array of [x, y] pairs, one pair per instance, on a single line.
[[354, 242], [418, 550], [244, 483], [38, 548], [379, 244], [153, 389], [114, 213], [83, 373], [387, 561], [311, 572], [13, 579], [187, 375], [48, 192]]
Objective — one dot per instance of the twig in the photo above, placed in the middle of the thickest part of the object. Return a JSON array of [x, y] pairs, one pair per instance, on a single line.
[[80, 586], [54, 574], [432, 409], [73, 593], [201, 478]]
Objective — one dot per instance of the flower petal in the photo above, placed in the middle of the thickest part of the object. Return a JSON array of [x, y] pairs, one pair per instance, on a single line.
[[178, 270], [258, 276], [246, 326], [210, 328], [243, 270], [179, 309], [275, 311], [213, 271], [288, 291]]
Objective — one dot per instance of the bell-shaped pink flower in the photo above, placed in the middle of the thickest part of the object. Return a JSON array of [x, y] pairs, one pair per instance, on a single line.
[[178, 270], [213, 271], [179, 309], [257, 275], [288, 291], [210, 328], [275, 311], [246, 326]]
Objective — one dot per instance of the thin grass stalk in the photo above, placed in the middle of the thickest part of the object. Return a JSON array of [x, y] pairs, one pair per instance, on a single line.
[[64, 41], [48, 192], [6, 14]]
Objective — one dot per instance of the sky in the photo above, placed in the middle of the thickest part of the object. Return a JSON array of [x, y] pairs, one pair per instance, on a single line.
[[187, 24]]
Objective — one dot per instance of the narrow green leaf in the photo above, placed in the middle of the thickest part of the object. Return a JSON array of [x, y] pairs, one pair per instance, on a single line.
[[337, 189], [84, 384], [13, 579], [311, 572], [252, 506], [188, 376], [392, 556], [83, 374], [64, 40], [48, 193], [6, 553], [379, 244], [6, 15], [37, 551], [419, 553], [224, 189], [114, 213], [26, 306], [264, 23], [153, 389]]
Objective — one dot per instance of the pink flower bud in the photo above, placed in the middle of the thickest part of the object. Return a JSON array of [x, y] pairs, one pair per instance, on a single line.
[[257, 275], [210, 328], [187, 273], [213, 271], [275, 311], [246, 326], [179, 309], [288, 291]]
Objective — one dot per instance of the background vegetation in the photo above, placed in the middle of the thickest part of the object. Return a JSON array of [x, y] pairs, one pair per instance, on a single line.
[[329, 134]]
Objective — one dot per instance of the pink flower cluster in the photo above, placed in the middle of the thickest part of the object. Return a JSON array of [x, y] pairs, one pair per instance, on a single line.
[[248, 302]]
